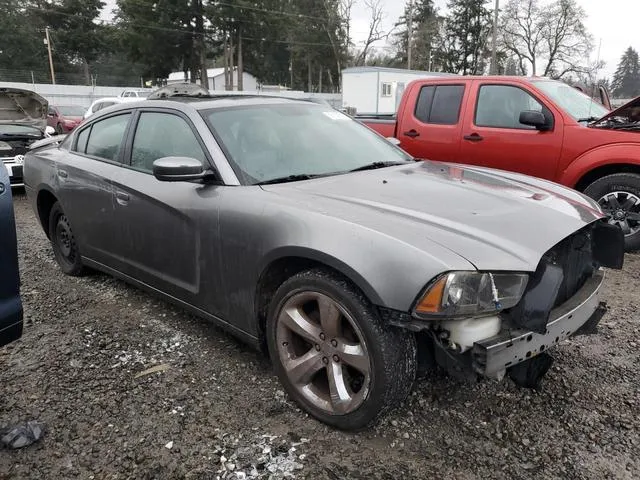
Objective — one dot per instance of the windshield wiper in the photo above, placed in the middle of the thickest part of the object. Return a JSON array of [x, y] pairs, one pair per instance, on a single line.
[[376, 165], [290, 178], [588, 119]]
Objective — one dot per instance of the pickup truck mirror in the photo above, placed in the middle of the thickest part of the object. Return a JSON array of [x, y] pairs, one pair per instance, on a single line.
[[393, 141], [534, 119], [178, 169]]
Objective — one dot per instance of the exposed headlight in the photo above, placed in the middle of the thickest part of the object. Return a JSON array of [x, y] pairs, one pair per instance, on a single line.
[[4, 146], [463, 294]]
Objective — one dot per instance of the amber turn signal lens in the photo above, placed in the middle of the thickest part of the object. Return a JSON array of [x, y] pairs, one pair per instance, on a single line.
[[432, 300]]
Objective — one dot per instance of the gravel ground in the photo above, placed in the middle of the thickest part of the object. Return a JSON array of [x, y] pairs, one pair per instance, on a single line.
[[215, 410]]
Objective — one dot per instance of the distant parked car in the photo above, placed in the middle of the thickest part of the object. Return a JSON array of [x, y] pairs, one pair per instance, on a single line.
[[131, 92], [103, 103], [10, 303], [330, 246], [23, 121], [64, 118]]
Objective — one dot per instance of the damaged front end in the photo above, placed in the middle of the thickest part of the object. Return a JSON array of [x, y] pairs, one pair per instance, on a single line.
[[561, 299]]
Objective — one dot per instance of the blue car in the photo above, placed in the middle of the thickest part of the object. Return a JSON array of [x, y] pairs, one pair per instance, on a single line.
[[10, 303]]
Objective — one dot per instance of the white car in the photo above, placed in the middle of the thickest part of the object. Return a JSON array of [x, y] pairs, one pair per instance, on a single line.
[[107, 102]]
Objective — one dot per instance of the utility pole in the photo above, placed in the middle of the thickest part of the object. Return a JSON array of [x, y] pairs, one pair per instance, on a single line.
[[409, 34], [48, 42], [494, 46]]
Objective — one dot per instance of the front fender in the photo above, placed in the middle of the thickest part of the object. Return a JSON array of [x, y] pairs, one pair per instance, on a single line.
[[614, 154]]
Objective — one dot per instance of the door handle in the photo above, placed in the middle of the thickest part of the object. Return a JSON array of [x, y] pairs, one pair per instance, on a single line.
[[412, 133], [63, 174], [122, 198], [474, 137]]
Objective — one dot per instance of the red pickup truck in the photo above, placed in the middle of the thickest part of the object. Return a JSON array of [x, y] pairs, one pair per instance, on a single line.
[[536, 126]]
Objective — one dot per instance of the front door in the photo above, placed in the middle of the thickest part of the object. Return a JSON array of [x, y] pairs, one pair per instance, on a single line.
[[167, 230], [492, 135]]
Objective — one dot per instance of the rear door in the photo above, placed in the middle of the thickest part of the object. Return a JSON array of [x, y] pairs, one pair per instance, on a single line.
[[84, 176], [492, 135], [430, 124], [160, 237]]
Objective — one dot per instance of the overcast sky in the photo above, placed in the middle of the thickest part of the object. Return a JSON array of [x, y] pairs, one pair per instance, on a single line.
[[614, 22]]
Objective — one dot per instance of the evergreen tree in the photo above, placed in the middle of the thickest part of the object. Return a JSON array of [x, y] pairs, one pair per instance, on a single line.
[[468, 28], [626, 80]]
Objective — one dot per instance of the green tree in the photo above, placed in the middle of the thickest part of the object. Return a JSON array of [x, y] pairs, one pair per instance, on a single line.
[[425, 25], [626, 79], [468, 28], [21, 40]]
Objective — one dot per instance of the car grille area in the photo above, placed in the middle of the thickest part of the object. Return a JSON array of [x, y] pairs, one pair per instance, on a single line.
[[562, 271]]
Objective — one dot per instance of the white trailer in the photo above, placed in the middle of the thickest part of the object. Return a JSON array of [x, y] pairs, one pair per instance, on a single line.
[[377, 90]]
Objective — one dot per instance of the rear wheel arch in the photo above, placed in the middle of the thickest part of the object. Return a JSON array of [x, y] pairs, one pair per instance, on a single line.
[[45, 202], [280, 269]]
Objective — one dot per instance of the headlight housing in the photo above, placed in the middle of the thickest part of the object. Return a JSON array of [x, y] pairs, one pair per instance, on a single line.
[[464, 294]]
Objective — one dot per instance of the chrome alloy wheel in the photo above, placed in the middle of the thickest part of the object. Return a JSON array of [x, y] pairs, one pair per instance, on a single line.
[[323, 352]]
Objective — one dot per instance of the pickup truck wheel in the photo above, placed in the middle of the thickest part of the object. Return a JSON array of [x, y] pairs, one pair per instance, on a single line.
[[619, 197], [64, 244], [333, 353]]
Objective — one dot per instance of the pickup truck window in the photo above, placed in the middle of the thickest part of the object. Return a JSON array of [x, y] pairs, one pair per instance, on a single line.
[[105, 139], [500, 106], [439, 104]]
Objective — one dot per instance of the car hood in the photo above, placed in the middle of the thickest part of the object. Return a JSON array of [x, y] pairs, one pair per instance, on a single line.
[[626, 110], [23, 107], [495, 220]]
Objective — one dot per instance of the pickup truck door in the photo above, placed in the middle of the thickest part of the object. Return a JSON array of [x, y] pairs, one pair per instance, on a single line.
[[167, 231], [492, 135], [429, 126]]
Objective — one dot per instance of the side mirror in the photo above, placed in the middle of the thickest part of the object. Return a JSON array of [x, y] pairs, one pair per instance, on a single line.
[[49, 131], [178, 169], [534, 119], [393, 141]]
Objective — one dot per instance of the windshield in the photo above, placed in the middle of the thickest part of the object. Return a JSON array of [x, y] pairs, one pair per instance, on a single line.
[[72, 111], [19, 130], [572, 100], [272, 141]]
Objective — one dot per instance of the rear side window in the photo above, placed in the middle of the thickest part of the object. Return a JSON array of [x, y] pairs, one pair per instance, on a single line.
[[439, 104], [83, 136], [105, 139]]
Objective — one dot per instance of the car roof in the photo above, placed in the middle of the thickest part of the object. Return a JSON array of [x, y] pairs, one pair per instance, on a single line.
[[212, 102]]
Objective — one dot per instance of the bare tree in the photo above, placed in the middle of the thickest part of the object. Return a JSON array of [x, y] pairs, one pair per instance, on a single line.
[[553, 37], [376, 16], [344, 10]]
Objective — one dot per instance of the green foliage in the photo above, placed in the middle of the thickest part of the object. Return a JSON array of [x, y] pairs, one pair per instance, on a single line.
[[626, 80]]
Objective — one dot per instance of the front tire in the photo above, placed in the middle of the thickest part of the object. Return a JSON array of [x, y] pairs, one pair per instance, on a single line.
[[619, 197], [333, 353], [65, 248]]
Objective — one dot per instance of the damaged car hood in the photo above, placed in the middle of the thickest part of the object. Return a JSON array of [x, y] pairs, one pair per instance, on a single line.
[[23, 107], [628, 114], [495, 220]]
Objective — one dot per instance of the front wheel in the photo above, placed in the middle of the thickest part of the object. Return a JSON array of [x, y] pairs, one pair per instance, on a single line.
[[333, 353], [619, 197], [65, 248]]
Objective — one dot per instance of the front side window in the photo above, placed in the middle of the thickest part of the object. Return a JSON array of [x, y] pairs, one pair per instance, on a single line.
[[105, 139], [161, 135], [439, 104], [261, 147], [500, 106]]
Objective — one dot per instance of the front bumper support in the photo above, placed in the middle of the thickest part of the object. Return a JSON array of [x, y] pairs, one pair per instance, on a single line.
[[493, 356]]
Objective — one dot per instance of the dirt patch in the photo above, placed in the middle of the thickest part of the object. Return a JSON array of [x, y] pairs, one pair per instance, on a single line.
[[214, 409]]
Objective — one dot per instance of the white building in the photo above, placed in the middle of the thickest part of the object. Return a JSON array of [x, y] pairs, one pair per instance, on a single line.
[[377, 90], [216, 79]]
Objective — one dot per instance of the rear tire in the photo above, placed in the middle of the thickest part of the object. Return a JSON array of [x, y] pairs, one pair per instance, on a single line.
[[65, 248], [619, 196], [333, 353]]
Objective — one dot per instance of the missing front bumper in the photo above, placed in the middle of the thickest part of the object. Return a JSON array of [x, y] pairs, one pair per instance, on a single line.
[[582, 312]]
